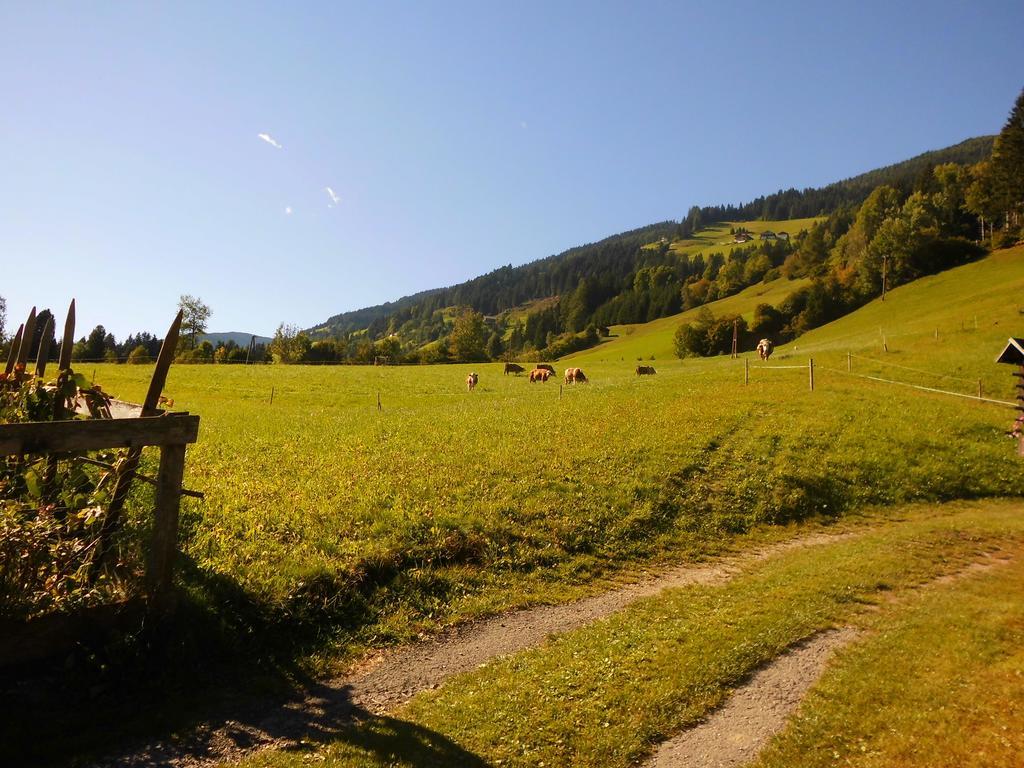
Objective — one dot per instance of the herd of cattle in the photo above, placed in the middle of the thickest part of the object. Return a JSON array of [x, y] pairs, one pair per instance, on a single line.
[[543, 371]]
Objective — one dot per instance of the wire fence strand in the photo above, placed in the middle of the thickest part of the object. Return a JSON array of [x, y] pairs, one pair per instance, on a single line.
[[922, 388], [915, 370]]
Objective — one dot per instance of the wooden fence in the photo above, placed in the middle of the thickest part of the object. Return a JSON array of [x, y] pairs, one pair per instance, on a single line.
[[125, 426]]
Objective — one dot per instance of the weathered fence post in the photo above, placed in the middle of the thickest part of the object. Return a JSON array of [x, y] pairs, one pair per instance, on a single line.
[[378, 401], [63, 366], [849, 362], [126, 473], [26, 340], [810, 371], [164, 545], [44, 348], [12, 354], [746, 371], [271, 395], [979, 388]]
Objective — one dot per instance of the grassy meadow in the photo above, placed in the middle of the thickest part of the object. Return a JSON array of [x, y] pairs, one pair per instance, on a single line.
[[446, 504], [653, 341], [717, 238], [606, 694], [330, 526], [942, 331]]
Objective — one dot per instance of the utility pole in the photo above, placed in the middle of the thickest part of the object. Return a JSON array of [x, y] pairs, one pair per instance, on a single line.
[[885, 267], [735, 336]]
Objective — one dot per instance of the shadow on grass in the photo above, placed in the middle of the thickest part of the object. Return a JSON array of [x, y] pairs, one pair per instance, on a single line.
[[315, 716], [216, 680]]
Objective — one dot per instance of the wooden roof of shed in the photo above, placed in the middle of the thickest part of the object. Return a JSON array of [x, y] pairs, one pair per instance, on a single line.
[[1013, 352]]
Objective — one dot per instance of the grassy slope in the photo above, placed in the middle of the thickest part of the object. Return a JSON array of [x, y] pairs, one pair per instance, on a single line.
[[474, 488], [373, 526], [605, 694], [939, 685], [717, 238], [653, 340], [987, 294]]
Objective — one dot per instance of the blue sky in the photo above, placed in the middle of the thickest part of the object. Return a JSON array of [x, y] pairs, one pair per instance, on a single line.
[[456, 137]]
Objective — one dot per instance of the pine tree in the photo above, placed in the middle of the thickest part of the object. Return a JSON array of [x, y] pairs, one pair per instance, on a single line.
[[1008, 159]]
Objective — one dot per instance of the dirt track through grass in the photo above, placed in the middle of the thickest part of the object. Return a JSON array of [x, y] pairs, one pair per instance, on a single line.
[[735, 734], [394, 677]]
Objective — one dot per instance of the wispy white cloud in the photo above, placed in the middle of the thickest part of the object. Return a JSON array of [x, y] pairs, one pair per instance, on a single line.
[[287, 210], [269, 139], [334, 198]]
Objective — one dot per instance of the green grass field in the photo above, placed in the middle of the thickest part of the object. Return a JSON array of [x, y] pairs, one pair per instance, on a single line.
[[343, 527], [606, 694], [947, 327], [718, 239], [654, 340], [443, 495]]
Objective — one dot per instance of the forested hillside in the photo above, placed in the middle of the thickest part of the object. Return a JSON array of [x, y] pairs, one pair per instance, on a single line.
[[909, 219]]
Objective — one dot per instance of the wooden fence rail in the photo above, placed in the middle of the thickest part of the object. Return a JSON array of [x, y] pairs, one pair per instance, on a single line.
[[171, 432], [140, 426]]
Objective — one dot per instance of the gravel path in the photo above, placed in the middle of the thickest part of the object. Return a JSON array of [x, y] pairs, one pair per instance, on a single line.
[[398, 675], [736, 733]]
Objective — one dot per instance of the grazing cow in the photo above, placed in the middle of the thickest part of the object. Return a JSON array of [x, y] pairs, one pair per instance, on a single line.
[[471, 381], [645, 370], [539, 374], [549, 368], [574, 376], [765, 348], [513, 368]]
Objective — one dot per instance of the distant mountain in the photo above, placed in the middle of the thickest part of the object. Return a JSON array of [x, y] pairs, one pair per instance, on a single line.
[[240, 338], [609, 263]]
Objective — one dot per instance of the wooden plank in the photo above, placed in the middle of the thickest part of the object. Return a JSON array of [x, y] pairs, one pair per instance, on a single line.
[[164, 545], [12, 354], [124, 478], [96, 434], [26, 340], [44, 348], [163, 365], [59, 406], [68, 341]]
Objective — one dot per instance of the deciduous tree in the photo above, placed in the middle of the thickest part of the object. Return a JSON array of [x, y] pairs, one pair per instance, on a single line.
[[468, 336], [195, 315]]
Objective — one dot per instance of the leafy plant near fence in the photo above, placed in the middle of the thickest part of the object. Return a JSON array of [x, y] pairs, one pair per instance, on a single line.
[[59, 514], [50, 513]]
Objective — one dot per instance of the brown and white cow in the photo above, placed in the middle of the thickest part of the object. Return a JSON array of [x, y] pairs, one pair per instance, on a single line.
[[471, 381], [539, 374], [765, 348], [574, 376]]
